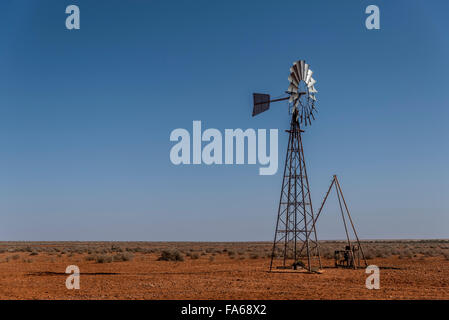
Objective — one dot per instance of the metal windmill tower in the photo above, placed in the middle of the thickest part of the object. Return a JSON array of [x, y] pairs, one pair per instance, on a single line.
[[295, 239]]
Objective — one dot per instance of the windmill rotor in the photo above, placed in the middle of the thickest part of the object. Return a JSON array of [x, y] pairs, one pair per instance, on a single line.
[[302, 92], [301, 95]]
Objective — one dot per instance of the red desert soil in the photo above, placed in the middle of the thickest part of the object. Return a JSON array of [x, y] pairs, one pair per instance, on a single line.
[[223, 278]]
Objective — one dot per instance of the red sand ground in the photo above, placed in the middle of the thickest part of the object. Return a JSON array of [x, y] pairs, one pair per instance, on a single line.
[[146, 278]]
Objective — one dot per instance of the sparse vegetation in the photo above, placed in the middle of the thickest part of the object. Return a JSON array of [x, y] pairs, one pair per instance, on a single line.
[[194, 256], [127, 256], [103, 259], [126, 251], [171, 255], [90, 257]]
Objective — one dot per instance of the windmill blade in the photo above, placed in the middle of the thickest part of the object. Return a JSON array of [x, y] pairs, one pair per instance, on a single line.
[[292, 79], [297, 68], [305, 71], [296, 77], [311, 113], [296, 71], [312, 90], [292, 88], [311, 82], [301, 69], [293, 70], [309, 75], [303, 114], [293, 97]]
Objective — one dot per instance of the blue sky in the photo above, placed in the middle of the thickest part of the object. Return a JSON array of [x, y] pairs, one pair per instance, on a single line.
[[86, 115]]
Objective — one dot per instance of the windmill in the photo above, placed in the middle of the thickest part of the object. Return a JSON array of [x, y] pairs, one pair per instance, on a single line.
[[295, 237]]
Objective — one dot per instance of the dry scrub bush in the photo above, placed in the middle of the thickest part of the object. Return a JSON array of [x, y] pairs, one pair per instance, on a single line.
[[116, 249], [369, 255], [406, 254], [103, 259], [194, 256], [90, 258], [123, 257], [171, 255], [327, 253]]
